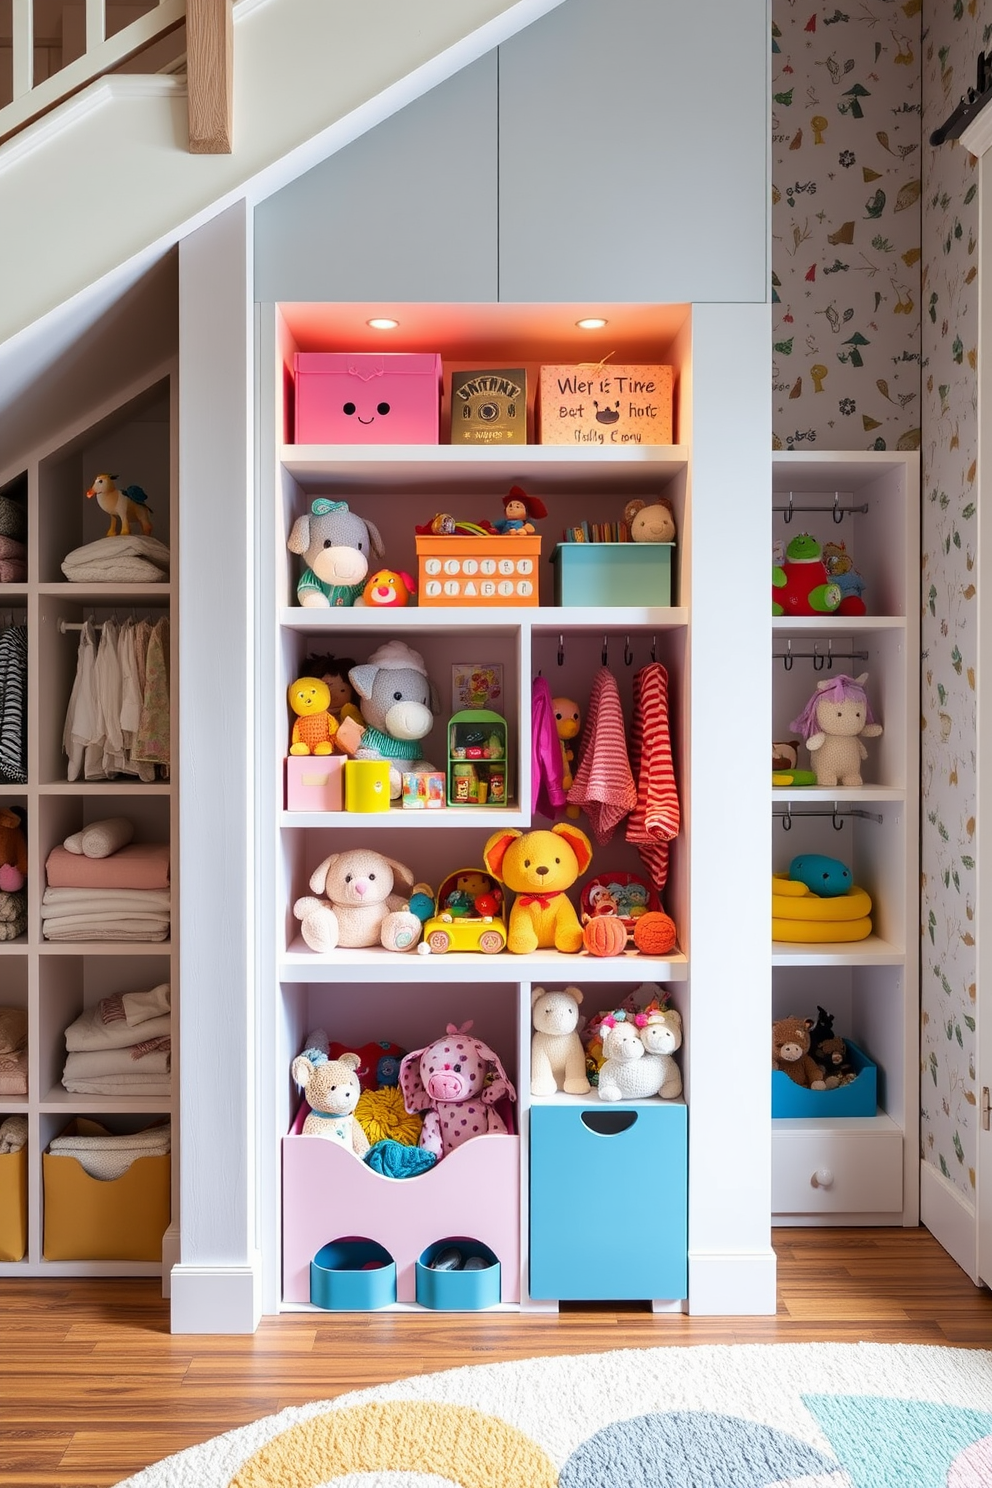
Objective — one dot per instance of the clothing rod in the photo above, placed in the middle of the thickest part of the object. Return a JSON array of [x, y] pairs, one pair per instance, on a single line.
[[67, 625]]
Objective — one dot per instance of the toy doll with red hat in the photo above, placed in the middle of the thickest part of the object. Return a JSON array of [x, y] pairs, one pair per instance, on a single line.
[[518, 508]]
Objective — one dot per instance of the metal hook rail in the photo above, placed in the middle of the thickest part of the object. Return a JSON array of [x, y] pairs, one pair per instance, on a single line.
[[628, 654], [787, 816], [837, 511], [820, 659]]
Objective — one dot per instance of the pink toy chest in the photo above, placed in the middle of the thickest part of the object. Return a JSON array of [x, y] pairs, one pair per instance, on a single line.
[[359, 398], [315, 782], [329, 1194]]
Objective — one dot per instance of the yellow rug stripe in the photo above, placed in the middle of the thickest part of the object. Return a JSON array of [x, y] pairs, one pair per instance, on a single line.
[[475, 1450]]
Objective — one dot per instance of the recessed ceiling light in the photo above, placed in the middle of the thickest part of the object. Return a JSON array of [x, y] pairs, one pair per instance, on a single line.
[[382, 323], [591, 323]]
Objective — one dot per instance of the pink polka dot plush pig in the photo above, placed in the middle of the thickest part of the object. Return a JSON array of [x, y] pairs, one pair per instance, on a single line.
[[456, 1081]]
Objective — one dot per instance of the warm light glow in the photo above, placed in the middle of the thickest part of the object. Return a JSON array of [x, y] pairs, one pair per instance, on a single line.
[[591, 323], [382, 323]]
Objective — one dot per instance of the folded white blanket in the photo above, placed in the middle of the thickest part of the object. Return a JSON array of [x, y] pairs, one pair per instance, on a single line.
[[105, 929], [14, 1073], [90, 1031], [107, 1155], [152, 1085], [139, 1007], [56, 902], [116, 1062], [124, 560]]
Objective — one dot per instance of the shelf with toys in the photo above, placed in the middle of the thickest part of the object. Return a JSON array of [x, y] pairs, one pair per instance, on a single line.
[[100, 819], [471, 937], [844, 798]]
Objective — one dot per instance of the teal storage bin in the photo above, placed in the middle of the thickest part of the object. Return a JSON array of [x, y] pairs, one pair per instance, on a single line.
[[860, 1098], [613, 574], [458, 1291], [609, 1201], [339, 1283]]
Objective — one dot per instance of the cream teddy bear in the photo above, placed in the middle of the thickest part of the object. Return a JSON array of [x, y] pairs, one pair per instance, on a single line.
[[332, 1088], [557, 1059]]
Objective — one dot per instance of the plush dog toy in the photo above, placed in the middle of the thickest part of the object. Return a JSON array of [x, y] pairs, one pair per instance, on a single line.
[[335, 544], [332, 1089], [359, 907], [457, 1081], [539, 866], [557, 1058]]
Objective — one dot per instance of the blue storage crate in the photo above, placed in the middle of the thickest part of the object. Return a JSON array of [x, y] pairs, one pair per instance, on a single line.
[[609, 1201], [613, 573], [458, 1291], [339, 1282], [859, 1098]]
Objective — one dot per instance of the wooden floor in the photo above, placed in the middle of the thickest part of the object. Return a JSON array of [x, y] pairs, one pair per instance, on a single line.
[[93, 1386]]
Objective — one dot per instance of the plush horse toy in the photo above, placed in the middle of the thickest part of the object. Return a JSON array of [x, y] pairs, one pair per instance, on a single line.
[[124, 507]]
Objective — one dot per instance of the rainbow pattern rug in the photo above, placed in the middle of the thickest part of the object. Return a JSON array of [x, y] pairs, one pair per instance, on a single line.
[[753, 1416]]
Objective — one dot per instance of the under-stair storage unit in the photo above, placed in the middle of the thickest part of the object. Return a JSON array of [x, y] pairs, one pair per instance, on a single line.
[[119, 944], [863, 1169], [358, 995]]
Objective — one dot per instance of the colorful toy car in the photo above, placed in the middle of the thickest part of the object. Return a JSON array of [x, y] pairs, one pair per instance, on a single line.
[[469, 914]]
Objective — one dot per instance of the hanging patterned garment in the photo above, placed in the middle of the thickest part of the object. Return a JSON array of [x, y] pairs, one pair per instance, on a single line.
[[13, 704], [152, 740], [655, 820], [603, 784]]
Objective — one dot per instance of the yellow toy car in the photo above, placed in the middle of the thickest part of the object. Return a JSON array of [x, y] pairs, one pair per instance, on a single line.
[[469, 914]]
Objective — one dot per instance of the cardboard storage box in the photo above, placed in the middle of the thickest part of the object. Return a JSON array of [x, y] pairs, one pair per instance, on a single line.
[[479, 571], [315, 782], [92, 1219], [860, 1098], [13, 1205], [613, 574], [358, 398], [489, 407], [604, 404]]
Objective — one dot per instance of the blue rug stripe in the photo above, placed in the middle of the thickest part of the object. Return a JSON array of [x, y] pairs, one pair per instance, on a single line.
[[886, 1443]]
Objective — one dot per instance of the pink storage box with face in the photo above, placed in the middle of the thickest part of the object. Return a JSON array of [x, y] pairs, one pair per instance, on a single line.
[[358, 398]]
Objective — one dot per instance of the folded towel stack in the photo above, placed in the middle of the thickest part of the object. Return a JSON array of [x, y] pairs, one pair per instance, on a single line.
[[13, 561], [122, 1046], [13, 1051], [119, 895], [106, 1155]]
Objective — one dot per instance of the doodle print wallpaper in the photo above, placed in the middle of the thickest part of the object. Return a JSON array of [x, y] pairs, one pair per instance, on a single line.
[[954, 34], [875, 291]]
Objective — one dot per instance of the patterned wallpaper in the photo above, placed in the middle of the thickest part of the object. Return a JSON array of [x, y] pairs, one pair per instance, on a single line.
[[875, 296]]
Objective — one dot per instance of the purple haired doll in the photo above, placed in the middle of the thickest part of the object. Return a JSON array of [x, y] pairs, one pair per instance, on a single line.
[[833, 723]]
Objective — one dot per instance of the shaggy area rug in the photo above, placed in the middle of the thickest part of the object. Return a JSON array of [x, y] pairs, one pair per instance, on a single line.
[[813, 1415]]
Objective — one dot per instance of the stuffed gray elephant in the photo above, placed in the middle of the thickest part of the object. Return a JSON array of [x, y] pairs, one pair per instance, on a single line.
[[335, 544], [398, 703]]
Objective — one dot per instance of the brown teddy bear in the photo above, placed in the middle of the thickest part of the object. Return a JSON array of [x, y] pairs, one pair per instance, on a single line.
[[539, 866], [790, 1053]]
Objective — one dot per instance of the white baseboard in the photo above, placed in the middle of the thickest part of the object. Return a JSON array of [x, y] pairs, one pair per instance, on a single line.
[[738, 1284], [216, 1299], [950, 1218]]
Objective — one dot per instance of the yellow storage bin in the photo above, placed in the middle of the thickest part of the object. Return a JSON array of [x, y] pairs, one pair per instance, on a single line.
[[13, 1205], [92, 1219]]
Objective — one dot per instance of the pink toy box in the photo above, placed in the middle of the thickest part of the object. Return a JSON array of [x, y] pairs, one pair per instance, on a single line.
[[361, 398], [315, 782], [328, 1194]]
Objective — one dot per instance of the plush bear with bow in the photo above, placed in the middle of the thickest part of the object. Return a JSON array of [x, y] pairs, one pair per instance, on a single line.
[[539, 866], [457, 1081], [335, 544]]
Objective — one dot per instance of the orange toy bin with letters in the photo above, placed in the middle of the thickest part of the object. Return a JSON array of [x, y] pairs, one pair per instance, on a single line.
[[480, 571]]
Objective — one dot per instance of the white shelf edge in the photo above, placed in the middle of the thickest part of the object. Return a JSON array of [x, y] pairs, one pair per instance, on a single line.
[[795, 794], [493, 618], [105, 787], [561, 1099], [396, 816], [872, 951], [836, 624], [301, 964], [106, 593], [877, 1125]]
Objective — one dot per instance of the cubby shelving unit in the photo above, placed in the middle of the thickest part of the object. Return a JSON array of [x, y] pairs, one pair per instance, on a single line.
[[134, 433], [365, 994], [859, 1170]]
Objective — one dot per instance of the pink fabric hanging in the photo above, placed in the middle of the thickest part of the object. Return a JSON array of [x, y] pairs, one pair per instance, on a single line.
[[603, 785], [655, 820], [547, 791]]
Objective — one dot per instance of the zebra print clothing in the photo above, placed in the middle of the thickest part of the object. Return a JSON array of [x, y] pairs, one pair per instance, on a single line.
[[14, 704]]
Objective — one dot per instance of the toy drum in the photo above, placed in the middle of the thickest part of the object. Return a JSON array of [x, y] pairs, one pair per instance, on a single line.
[[366, 785]]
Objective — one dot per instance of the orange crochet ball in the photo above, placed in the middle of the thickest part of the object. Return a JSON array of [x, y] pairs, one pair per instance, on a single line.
[[604, 935], [654, 933]]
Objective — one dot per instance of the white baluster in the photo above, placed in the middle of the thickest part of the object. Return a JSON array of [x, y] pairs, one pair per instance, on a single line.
[[23, 47], [96, 23]]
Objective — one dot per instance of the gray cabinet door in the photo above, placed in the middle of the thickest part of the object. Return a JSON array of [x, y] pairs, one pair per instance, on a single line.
[[407, 212], [633, 153]]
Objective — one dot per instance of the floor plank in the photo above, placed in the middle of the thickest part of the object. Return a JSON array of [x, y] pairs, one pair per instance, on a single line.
[[94, 1387]]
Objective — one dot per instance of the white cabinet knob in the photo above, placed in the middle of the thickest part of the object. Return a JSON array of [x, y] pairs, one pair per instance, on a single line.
[[822, 1178]]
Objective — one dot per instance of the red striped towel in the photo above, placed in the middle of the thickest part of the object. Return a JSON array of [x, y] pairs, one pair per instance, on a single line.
[[603, 784], [655, 819]]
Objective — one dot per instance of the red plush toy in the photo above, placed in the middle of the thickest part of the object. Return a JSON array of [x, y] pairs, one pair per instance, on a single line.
[[801, 584]]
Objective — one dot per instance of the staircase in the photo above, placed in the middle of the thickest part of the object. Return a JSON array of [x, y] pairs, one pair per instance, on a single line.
[[105, 179]]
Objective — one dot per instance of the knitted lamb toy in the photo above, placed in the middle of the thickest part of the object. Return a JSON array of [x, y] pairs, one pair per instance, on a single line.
[[629, 1071]]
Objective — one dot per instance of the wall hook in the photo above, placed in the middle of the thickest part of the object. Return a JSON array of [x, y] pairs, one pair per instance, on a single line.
[[786, 820], [788, 658], [819, 660], [838, 512], [830, 655], [654, 648], [606, 651], [561, 650], [837, 821], [628, 655], [787, 514]]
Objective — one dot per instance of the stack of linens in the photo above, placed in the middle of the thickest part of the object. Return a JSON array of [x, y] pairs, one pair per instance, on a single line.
[[121, 1046], [107, 1155], [99, 890], [13, 1051], [118, 560], [13, 536]]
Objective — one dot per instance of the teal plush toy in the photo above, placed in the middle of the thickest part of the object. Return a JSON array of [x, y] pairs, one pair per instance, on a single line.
[[827, 877]]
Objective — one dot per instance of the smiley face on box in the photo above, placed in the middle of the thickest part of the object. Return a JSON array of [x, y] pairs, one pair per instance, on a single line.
[[358, 398]]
